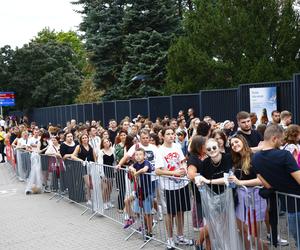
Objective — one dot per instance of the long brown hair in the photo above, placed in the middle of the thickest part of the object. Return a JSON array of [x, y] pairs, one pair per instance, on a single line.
[[242, 159]]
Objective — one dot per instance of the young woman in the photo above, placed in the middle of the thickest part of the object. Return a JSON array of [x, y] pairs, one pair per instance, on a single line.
[[195, 165], [120, 175], [85, 152], [292, 139], [212, 173], [106, 157], [221, 138], [244, 175]]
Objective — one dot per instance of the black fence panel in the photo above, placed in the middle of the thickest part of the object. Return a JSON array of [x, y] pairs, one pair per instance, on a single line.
[[296, 101], [88, 111], [221, 105], [109, 110], [122, 109], [98, 111], [68, 113], [81, 115], [184, 102], [74, 113], [284, 94], [159, 106], [63, 118], [139, 106]]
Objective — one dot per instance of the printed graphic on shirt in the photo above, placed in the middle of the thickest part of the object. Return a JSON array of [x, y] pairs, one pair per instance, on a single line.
[[150, 157], [173, 161]]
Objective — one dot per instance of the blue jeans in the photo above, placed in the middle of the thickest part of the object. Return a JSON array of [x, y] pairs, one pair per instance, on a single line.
[[294, 226]]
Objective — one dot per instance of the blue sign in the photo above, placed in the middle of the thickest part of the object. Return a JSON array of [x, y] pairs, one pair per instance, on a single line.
[[7, 99]]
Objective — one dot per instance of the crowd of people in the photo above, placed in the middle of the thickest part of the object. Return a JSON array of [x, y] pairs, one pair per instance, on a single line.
[[249, 153]]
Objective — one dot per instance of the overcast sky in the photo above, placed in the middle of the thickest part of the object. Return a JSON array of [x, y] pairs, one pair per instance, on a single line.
[[21, 20]]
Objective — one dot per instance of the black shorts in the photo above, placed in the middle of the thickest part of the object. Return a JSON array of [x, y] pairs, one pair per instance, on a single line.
[[178, 200]]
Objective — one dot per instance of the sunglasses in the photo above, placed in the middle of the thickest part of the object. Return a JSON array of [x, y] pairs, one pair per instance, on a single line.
[[212, 148]]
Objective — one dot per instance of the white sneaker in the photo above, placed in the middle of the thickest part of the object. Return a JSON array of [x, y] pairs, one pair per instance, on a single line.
[[180, 240], [110, 205], [105, 206], [170, 243], [281, 242], [89, 203]]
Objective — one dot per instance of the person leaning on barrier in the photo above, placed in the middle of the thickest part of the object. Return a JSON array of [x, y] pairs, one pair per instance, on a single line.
[[84, 152], [195, 165], [212, 173], [244, 175], [68, 146], [171, 162], [278, 170]]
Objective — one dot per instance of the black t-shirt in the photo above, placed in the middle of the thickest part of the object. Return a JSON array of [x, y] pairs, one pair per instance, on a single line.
[[112, 135], [214, 171], [276, 166], [65, 149], [198, 163], [253, 139]]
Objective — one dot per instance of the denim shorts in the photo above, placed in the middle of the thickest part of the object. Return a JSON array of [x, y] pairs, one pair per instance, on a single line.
[[147, 205]]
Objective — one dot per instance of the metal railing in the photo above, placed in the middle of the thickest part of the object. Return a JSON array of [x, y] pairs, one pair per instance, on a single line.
[[169, 210]]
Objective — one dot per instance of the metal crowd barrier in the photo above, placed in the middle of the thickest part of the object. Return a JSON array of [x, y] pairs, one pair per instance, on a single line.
[[152, 206]]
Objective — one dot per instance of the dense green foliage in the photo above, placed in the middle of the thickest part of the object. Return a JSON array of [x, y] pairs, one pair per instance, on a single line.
[[129, 38], [227, 43]]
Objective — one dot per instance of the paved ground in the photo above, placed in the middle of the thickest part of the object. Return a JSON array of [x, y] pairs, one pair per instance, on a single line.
[[35, 222]]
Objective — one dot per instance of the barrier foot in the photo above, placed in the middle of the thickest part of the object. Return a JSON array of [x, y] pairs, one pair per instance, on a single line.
[[61, 197], [84, 211], [145, 243], [93, 215], [129, 236], [54, 195]]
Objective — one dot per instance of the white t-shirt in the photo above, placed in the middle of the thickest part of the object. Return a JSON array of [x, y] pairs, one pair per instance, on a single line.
[[34, 143], [170, 158], [291, 148], [22, 143], [95, 143], [2, 123]]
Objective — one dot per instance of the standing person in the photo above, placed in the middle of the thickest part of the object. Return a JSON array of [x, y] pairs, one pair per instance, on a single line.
[[244, 175], [120, 175], [171, 162], [107, 159], [143, 188], [275, 118], [94, 139], [2, 145], [291, 140], [191, 116], [84, 152], [112, 130], [252, 137], [278, 170], [285, 119], [68, 146], [221, 138], [195, 165]]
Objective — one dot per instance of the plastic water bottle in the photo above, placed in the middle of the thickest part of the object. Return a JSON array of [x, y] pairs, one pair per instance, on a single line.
[[231, 184], [200, 188]]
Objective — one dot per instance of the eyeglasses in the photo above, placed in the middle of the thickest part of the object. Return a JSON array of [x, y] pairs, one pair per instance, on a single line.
[[212, 148]]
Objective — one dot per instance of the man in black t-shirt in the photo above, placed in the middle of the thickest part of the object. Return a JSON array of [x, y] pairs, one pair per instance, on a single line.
[[278, 169], [252, 136], [112, 130]]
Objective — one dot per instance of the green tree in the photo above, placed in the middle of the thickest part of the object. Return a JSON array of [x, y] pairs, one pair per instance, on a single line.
[[103, 33], [6, 55], [43, 74], [227, 43], [73, 40], [150, 28], [88, 92]]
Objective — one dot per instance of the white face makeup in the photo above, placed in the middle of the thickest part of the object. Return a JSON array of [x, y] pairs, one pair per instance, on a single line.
[[212, 149]]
